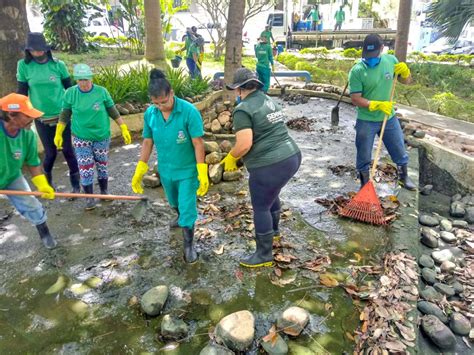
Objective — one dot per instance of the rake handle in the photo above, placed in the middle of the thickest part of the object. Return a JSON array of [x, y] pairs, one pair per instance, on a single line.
[[342, 94], [382, 131], [72, 195]]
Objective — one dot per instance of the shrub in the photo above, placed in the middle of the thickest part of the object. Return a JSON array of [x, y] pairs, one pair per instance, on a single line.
[[391, 51], [320, 52], [352, 53], [118, 82]]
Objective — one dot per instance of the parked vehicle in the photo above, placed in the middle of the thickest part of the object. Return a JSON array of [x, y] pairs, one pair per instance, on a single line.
[[99, 26], [439, 46], [462, 46]]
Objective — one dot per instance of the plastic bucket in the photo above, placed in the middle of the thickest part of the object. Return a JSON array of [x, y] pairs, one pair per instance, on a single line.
[[176, 61], [280, 49], [320, 27]]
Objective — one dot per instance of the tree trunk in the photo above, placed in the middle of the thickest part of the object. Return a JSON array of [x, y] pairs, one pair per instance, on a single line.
[[13, 32], [403, 29], [154, 47], [233, 48]]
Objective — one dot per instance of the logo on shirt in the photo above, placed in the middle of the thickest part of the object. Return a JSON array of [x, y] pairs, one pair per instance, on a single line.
[[17, 155], [270, 105], [181, 137], [52, 78], [96, 106], [388, 76]]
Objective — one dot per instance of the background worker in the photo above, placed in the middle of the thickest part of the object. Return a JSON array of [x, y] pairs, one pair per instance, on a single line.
[[175, 127], [340, 16], [270, 155], [18, 148], [267, 33], [44, 79], [264, 55], [370, 83], [90, 106], [314, 16]]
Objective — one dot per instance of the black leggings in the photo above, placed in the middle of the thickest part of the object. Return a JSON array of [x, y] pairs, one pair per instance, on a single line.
[[46, 134], [265, 184]]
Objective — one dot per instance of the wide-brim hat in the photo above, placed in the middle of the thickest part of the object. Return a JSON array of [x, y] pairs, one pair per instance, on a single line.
[[19, 103], [36, 42], [243, 76], [372, 46], [82, 72]]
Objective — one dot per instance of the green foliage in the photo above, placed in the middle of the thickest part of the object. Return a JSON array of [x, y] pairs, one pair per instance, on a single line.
[[453, 58], [391, 51], [319, 52], [184, 86], [352, 53], [448, 104], [450, 16], [119, 83], [168, 10]]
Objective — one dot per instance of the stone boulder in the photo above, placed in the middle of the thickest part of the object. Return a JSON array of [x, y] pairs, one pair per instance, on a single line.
[[426, 261], [173, 328], [428, 275], [429, 308], [427, 220], [429, 237], [220, 107], [211, 147], [232, 175], [457, 209], [153, 300], [224, 118], [215, 173], [236, 330], [216, 126], [469, 216], [446, 225], [151, 181], [293, 320], [442, 255], [459, 324], [279, 347], [448, 237], [225, 146], [439, 334], [216, 349], [213, 158]]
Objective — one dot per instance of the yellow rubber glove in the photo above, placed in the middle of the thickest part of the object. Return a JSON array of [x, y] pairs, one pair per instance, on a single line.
[[402, 70], [42, 185], [58, 136], [203, 179], [384, 106], [125, 134], [140, 171], [230, 163]]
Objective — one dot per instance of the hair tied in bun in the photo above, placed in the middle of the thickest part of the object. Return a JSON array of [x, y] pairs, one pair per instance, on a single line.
[[156, 74]]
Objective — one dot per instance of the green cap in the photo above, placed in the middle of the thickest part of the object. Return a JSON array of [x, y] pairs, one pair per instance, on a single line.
[[82, 71]]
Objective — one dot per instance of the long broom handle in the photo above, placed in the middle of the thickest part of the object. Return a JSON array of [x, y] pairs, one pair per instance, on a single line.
[[72, 195], [382, 131]]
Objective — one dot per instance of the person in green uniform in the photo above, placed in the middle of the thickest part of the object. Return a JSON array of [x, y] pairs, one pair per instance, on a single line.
[[175, 127], [264, 55], [370, 84], [90, 106], [44, 79], [18, 148], [267, 33], [314, 16], [270, 155], [340, 16]]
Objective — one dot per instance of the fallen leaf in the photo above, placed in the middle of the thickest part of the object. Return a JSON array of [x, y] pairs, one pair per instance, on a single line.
[[349, 336], [358, 257], [385, 281], [395, 345], [272, 336], [277, 272], [328, 281], [239, 274], [219, 251], [285, 258], [133, 301], [377, 333]]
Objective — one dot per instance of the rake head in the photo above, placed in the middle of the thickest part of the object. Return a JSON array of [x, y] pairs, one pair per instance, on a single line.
[[365, 206]]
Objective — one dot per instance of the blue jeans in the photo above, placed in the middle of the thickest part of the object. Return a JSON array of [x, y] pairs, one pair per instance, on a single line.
[[392, 139], [28, 206], [193, 68]]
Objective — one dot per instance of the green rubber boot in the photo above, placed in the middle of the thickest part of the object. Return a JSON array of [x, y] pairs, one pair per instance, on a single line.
[[263, 256], [190, 254]]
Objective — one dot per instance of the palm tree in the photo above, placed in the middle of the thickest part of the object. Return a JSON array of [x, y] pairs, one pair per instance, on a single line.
[[154, 47], [403, 29], [233, 48], [451, 16], [14, 29]]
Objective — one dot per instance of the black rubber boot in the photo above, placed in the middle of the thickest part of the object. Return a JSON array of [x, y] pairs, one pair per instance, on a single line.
[[190, 254], [276, 223], [403, 179], [46, 237], [75, 183], [49, 178], [174, 222], [364, 178], [103, 185], [263, 256], [90, 202]]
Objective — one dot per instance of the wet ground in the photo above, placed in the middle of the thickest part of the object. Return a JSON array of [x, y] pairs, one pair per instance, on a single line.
[[107, 260]]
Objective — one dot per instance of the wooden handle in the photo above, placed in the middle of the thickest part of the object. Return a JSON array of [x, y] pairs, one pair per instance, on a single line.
[[72, 195], [382, 131], [342, 94]]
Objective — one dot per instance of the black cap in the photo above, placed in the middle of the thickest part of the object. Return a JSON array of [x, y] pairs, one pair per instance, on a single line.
[[241, 77], [372, 45], [36, 42]]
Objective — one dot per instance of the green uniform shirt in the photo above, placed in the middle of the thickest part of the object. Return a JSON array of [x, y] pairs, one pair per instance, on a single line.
[[268, 35], [314, 14], [271, 141], [187, 44], [374, 84], [193, 49], [15, 152], [264, 55], [340, 16], [44, 80], [90, 119], [173, 139]]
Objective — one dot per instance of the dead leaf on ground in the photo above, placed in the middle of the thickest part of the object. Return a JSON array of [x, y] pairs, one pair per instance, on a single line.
[[239, 274], [285, 258], [328, 281], [219, 250], [272, 336], [277, 272]]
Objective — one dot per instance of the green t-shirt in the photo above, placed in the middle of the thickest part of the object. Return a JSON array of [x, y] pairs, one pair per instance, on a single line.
[[314, 14], [268, 35], [90, 119], [340, 16], [173, 138], [15, 152], [44, 80], [264, 55], [271, 141], [374, 84], [193, 49]]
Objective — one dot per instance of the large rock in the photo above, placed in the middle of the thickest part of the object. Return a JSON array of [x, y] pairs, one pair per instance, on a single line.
[[429, 237], [427, 220], [457, 209], [426, 190], [215, 173], [216, 126], [457, 286], [232, 175], [438, 332], [446, 225], [448, 237], [220, 107], [211, 147], [429, 308], [469, 217], [154, 299], [447, 266], [224, 117], [278, 347], [426, 261], [293, 320], [459, 324], [430, 294], [442, 255], [237, 330], [226, 146], [213, 158], [151, 181], [173, 328], [216, 349], [456, 197], [428, 275], [444, 289], [419, 134], [460, 224]]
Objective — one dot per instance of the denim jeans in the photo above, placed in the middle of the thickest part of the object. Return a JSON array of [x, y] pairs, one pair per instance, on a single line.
[[392, 139], [28, 206]]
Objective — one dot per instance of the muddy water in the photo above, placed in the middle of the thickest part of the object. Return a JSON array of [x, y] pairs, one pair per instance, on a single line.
[[107, 260]]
